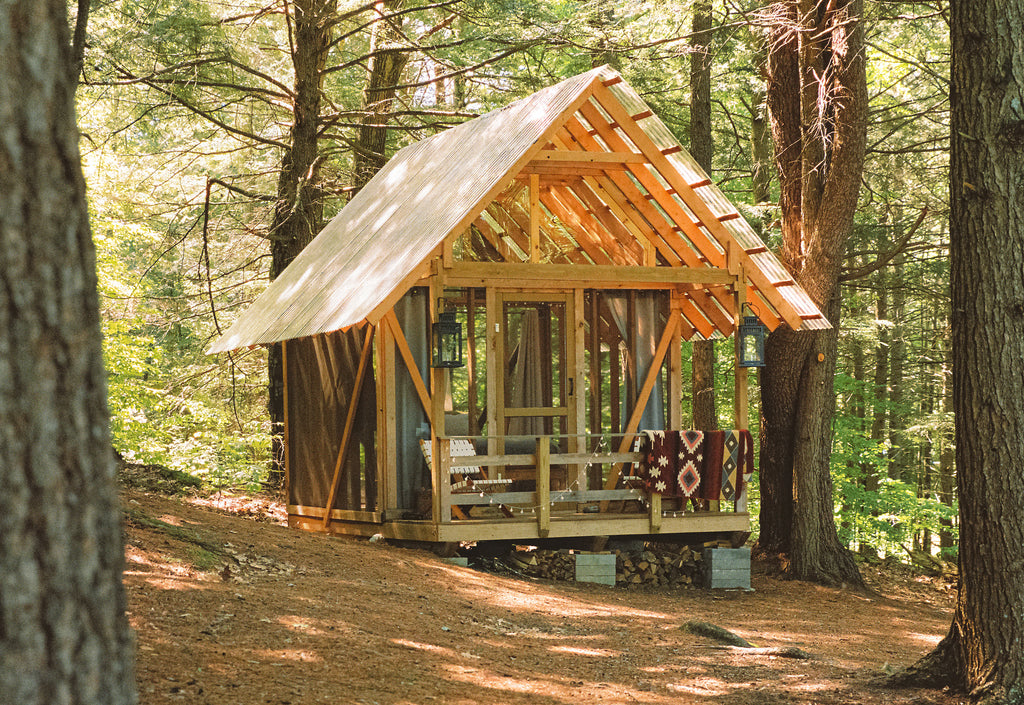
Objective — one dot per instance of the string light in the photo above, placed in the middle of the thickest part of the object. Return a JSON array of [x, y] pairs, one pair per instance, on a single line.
[[643, 498]]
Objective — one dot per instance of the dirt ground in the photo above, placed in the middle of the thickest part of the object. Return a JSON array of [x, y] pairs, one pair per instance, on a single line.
[[230, 606]]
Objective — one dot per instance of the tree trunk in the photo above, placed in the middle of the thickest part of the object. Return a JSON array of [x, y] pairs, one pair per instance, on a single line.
[[298, 215], [702, 147], [387, 61], [984, 650], [817, 100], [64, 637]]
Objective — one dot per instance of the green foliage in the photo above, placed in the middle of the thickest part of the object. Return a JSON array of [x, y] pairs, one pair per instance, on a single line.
[[873, 509], [176, 92]]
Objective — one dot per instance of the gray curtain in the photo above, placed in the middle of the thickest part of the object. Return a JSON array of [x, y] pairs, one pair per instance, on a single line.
[[647, 329], [412, 312], [527, 387]]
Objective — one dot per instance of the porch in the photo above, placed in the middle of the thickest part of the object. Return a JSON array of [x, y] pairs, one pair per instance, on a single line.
[[496, 507]]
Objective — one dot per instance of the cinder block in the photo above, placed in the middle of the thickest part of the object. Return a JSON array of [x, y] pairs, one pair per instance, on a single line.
[[727, 568], [459, 560], [595, 568]]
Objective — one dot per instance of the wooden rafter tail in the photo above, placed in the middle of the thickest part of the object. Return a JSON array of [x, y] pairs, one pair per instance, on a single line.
[[659, 194], [693, 200], [350, 417], [670, 244]]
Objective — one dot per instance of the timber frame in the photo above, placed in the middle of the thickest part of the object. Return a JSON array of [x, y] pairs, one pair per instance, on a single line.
[[580, 247]]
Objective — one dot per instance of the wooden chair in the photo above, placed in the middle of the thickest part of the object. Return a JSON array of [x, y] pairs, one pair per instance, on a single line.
[[471, 479]]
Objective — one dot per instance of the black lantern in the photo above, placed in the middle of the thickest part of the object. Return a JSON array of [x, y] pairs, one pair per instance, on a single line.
[[447, 341], [751, 342]]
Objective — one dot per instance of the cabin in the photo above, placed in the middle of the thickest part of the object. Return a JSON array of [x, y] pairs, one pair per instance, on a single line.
[[476, 345]]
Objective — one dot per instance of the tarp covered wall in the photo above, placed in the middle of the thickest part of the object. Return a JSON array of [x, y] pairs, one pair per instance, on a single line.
[[321, 374]]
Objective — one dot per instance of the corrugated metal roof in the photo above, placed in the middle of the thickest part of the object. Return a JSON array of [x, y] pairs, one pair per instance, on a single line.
[[377, 246], [397, 220]]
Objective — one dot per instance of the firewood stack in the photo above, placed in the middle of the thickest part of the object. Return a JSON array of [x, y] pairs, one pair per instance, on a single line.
[[658, 568], [651, 567]]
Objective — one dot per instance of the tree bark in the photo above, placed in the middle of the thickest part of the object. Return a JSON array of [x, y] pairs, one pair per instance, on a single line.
[[64, 637], [387, 62], [817, 100], [702, 147], [984, 650], [298, 215]]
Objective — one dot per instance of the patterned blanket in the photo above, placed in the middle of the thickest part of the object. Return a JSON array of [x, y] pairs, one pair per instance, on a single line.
[[728, 456], [672, 462]]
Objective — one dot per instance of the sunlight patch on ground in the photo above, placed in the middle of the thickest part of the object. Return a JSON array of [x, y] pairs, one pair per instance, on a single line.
[[706, 687], [599, 653], [431, 648], [490, 680], [812, 687], [488, 589], [299, 624], [929, 640], [296, 655]]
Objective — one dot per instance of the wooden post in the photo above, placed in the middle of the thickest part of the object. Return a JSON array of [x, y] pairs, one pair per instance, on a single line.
[[615, 391], [675, 372], [387, 458], [740, 403], [633, 371], [535, 217], [474, 428], [543, 486], [286, 446], [577, 404], [655, 512], [443, 482], [740, 411], [496, 372], [596, 384]]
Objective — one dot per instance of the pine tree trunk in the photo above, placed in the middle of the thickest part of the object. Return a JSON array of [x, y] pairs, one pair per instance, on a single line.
[[705, 415], [387, 61], [984, 650], [64, 637], [817, 100], [298, 215]]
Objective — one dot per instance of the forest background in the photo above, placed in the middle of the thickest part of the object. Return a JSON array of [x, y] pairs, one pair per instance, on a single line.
[[192, 113]]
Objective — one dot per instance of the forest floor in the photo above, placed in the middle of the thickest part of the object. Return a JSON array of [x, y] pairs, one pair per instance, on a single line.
[[230, 606]]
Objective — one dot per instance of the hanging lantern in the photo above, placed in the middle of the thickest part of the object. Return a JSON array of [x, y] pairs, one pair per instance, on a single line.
[[751, 342], [447, 333]]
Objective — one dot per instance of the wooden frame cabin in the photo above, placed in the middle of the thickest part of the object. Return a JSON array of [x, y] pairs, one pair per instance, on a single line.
[[578, 245]]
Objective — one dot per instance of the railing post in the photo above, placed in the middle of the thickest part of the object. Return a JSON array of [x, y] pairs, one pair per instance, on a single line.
[[655, 512], [443, 481], [741, 498], [543, 486]]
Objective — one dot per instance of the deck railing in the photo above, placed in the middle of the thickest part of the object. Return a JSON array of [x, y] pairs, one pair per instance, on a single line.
[[543, 497]]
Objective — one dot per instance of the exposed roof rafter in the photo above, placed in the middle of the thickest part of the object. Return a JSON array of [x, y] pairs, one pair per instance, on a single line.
[[610, 186]]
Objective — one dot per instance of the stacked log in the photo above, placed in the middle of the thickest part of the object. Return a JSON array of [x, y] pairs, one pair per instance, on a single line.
[[661, 566], [658, 568], [545, 564]]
